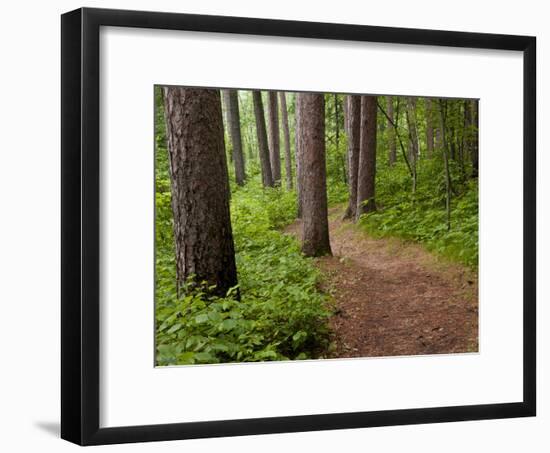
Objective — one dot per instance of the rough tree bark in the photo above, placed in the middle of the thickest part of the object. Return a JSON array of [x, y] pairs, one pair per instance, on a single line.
[[231, 100], [366, 172], [354, 135], [274, 140], [200, 190], [429, 129], [286, 137], [311, 136], [391, 132], [263, 149]]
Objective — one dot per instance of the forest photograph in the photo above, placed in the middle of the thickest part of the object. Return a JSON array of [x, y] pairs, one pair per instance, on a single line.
[[301, 225]]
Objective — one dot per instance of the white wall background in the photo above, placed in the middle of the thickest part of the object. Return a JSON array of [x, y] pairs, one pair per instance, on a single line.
[[29, 238]]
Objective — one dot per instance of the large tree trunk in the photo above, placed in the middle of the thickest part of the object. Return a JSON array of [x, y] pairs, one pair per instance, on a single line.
[[231, 99], [391, 132], [366, 173], [286, 137], [274, 141], [311, 136], [200, 190], [475, 138], [267, 176], [354, 135], [429, 129]]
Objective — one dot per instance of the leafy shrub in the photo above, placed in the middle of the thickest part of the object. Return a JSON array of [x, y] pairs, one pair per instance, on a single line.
[[281, 315], [422, 217]]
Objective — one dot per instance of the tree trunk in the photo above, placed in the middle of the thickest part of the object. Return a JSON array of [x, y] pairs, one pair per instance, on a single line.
[[298, 158], [475, 139], [438, 136], [442, 120], [354, 136], [267, 177], [286, 136], [311, 136], [200, 190], [274, 141], [231, 99], [413, 138], [337, 141], [429, 129], [366, 173], [391, 132], [346, 113], [345, 110]]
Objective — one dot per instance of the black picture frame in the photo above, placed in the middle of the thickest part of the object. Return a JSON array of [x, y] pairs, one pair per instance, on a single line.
[[80, 188]]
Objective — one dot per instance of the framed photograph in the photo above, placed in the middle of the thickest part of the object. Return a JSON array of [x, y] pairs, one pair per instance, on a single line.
[[276, 226]]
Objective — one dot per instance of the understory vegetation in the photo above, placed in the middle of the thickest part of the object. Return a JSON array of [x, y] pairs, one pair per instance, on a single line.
[[421, 216], [281, 315]]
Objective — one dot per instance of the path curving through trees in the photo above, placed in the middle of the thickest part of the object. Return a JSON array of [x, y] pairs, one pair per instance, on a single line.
[[395, 298]]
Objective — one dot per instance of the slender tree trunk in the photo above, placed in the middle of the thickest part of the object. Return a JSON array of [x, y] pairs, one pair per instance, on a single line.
[[337, 140], [438, 136], [366, 173], [475, 139], [450, 138], [391, 132], [354, 136], [267, 177], [429, 129], [346, 113], [311, 135], [297, 152], [413, 138], [345, 110], [442, 119], [200, 190], [231, 99], [286, 136], [274, 141]]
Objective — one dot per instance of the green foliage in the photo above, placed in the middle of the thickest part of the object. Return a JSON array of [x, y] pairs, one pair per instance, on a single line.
[[422, 217], [281, 314]]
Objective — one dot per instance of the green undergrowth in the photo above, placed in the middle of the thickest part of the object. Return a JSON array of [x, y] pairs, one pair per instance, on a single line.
[[422, 217], [281, 315]]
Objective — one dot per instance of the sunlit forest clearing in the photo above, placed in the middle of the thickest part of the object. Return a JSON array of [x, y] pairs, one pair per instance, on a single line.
[[306, 226]]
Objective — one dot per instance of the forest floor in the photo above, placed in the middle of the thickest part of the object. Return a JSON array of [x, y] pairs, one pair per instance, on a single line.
[[393, 297]]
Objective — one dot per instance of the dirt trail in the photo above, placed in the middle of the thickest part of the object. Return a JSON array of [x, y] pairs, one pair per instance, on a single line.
[[395, 298]]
